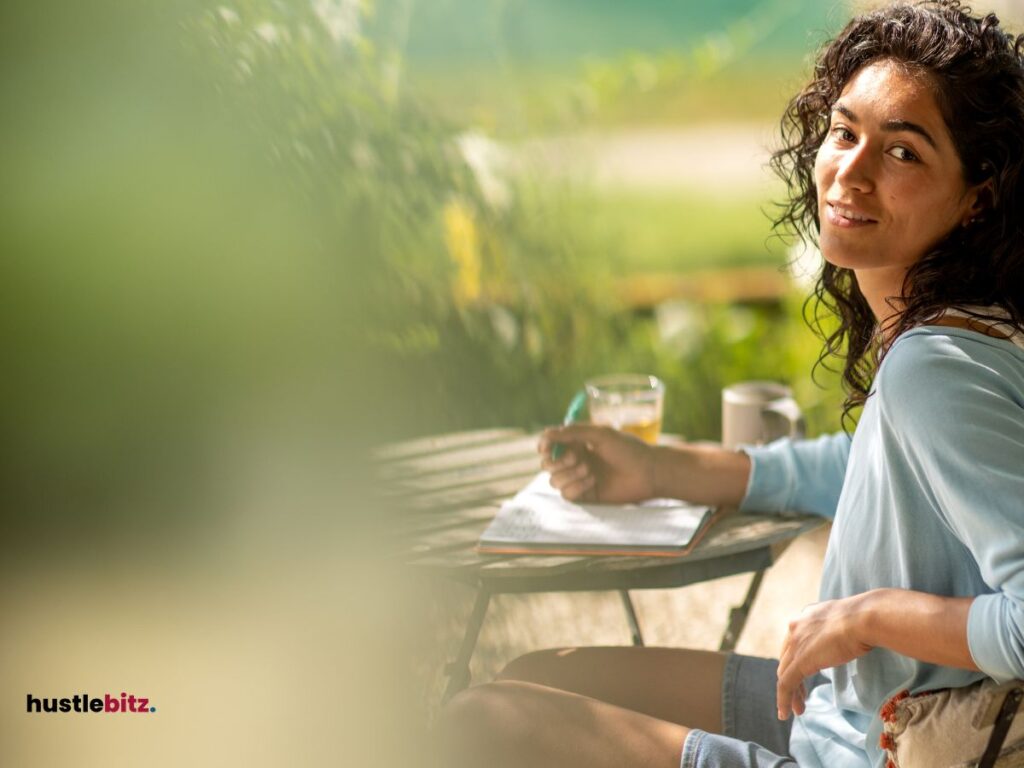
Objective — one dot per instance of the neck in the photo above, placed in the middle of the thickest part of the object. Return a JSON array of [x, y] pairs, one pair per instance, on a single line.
[[877, 285]]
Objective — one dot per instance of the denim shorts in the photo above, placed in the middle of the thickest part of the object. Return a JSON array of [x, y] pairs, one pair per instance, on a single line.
[[753, 736]]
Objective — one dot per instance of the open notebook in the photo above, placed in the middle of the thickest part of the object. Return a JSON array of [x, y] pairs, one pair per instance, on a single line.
[[538, 519]]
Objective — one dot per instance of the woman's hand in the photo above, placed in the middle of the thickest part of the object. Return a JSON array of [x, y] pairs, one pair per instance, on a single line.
[[599, 464], [824, 635]]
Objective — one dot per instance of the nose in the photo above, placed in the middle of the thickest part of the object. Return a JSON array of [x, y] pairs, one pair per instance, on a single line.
[[856, 169]]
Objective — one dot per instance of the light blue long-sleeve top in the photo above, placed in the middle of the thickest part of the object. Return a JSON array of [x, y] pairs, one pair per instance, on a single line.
[[928, 496]]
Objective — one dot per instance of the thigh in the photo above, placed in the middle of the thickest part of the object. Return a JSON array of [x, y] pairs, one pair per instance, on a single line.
[[514, 724], [672, 684]]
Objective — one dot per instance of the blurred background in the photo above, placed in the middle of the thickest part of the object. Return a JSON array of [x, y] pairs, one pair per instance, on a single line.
[[244, 242]]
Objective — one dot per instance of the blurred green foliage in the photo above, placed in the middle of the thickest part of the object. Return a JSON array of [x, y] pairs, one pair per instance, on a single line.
[[683, 230], [172, 306], [533, 64], [234, 229]]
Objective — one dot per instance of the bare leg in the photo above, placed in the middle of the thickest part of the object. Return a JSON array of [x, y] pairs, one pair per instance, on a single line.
[[514, 724], [672, 684]]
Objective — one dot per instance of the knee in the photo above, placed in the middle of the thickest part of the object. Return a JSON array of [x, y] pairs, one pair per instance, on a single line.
[[536, 666], [480, 720], [486, 708]]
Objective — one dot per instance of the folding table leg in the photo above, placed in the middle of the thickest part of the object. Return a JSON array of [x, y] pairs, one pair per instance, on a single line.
[[458, 670], [634, 625], [738, 615]]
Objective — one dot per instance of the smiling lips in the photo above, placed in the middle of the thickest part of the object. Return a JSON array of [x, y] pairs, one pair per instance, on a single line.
[[841, 216]]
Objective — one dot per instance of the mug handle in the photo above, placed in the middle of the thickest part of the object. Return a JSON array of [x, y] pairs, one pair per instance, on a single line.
[[788, 409]]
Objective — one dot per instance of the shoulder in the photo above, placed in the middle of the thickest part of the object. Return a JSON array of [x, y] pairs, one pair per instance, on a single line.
[[938, 372], [920, 354], [925, 351]]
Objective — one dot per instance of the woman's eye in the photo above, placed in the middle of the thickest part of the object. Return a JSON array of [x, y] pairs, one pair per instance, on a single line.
[[843, 133], [902, 153]]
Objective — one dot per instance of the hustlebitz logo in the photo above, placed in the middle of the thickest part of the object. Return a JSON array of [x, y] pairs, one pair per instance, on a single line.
[[82, 702]]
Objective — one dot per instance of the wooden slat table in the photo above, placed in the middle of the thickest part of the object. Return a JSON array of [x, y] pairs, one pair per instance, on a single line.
[[449, 487]]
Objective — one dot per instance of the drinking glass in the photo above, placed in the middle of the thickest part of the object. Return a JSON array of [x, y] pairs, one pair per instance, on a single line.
[[628, 402]]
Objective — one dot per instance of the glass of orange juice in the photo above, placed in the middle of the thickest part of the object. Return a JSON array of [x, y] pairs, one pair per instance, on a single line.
[[629, 402]]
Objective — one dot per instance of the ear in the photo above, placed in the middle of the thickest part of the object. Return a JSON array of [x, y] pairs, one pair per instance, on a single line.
[[977, 200]]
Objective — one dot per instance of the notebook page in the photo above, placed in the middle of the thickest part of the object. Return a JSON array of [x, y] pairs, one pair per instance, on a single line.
[[539, 515]]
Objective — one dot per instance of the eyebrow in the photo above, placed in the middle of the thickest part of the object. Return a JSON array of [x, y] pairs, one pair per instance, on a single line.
[[890, 125]]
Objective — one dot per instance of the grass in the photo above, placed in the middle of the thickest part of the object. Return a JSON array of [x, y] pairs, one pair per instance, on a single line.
[[657, 231]]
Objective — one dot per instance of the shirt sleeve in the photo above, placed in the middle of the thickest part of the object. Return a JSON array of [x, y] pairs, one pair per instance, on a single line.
[[797, 475], [960, 424]]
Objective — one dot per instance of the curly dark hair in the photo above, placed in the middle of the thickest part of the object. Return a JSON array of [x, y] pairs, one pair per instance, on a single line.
[[977, 70]]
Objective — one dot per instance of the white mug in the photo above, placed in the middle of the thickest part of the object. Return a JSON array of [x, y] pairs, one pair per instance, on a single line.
[[757, 412]]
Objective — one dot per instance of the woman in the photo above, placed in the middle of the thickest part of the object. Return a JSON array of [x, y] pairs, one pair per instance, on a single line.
[[904, 160]]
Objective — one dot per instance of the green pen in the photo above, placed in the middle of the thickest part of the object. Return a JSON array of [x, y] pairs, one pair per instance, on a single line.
[[571, 415]]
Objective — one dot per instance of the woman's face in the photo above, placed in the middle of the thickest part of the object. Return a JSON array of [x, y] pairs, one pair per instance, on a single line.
[[890, 183]]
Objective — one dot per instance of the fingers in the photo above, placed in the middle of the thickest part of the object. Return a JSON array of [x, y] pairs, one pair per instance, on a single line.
[[796, 700], [569, 459], [570, 475], [784, 701], [785, 688], [795, 704], [785, 696], [799, 697], [580, 489], [790, 690], [572, 433]]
